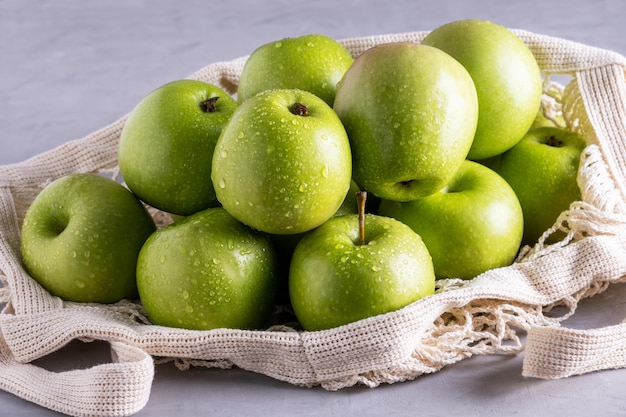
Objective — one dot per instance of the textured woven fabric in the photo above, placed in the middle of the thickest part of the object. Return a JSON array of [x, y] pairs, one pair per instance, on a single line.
[[463, 318]]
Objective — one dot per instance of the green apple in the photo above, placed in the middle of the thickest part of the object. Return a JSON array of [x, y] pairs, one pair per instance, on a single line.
[[207, 271], [313, 63], [282, 164], [357, 266], [542, 169], [474, 224], [166, 145], [81, 237], [507, 78], [410, 112]]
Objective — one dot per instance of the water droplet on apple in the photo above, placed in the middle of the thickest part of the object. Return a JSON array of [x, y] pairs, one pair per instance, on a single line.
[[216, 261], [324, 137], [224, 154], [376, 268], [185, 294], [302, 187], [325, 171], [163, 259], [189, 308], [221, 183], [237, 202], [240, 135], [74, 254], [278, 45], [80, 283]]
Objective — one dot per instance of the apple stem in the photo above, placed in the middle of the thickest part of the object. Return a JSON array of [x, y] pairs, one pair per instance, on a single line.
[[300, 109], [361, 197], [208, 105]]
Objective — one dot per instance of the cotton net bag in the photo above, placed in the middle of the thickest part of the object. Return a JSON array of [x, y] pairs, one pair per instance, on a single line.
[[482, 316]]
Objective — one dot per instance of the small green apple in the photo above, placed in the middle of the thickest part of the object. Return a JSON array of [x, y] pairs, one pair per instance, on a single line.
[[282, 164], [207, 271], [313, 63], [81, 237], [542, 169], [507, 78], [357, 266], [474, 224], [410, 112], [166, 145]]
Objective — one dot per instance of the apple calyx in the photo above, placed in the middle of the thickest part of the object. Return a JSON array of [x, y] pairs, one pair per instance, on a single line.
[[361, 197], [554, 141], [208, 105], [299, 109]]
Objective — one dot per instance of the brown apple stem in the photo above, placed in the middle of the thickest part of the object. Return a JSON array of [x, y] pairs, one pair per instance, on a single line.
[[300, 109], [361, 196], [208, 105]]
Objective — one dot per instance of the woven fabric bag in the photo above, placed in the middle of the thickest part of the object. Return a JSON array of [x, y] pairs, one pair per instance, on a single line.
[[464, 318]]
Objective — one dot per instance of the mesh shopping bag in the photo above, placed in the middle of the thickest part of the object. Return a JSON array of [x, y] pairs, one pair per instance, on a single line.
[[485, 315]]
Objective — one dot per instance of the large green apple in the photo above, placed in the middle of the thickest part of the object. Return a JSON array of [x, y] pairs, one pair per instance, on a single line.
[[166, 145], [282, 164], [357, 266], [474, 224], [542, 169], [313, 63], [507, 78], [410, 112], [81, 237], [207, 271]]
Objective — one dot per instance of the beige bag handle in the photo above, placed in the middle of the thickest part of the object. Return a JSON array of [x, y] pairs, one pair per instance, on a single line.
[[120, 388], [557, 352]]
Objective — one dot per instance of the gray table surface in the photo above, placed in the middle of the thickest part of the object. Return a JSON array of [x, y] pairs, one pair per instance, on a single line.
[[68, 68]]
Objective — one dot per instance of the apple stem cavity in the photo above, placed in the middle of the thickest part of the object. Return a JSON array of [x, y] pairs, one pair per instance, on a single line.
[[554, 141], [208, 105], [299, 109], [361, 197]]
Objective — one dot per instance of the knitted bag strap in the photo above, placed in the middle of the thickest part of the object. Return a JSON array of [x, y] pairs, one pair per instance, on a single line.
[[558, 352], [120, 388]]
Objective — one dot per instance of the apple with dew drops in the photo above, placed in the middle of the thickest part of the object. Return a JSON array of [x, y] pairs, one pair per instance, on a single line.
[[410, 111]]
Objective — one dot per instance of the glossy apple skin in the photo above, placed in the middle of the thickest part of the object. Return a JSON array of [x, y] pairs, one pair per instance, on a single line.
[[280, 172], [410, 112], [166, 146], [335, 280], [81, 237], [543, 176], [474, 224], [207, 271], [313, 63], [506, 75]]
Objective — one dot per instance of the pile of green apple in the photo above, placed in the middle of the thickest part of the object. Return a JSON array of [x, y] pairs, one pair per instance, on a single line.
[[267, 190]]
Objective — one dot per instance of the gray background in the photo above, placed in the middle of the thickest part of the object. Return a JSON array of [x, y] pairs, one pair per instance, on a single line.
[[68, 68]]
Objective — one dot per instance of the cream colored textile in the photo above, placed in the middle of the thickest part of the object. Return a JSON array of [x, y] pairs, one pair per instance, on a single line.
[[464, 318]]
